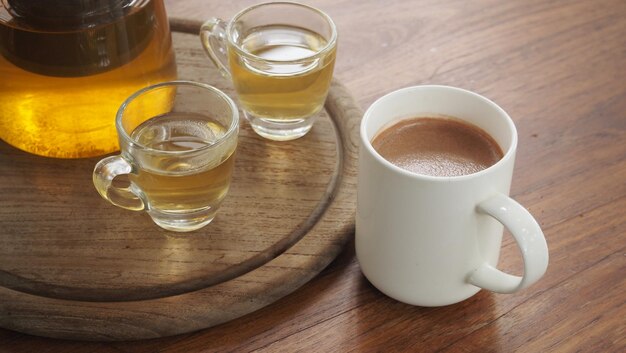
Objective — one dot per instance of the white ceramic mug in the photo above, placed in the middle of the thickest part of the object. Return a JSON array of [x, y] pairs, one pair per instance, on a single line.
[[433, 241]]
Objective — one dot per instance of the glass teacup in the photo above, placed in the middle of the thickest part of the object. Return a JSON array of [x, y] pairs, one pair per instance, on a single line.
[[178, 154], [280, 57]]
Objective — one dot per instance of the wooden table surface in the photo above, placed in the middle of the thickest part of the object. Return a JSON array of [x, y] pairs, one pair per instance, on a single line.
[[559, 69]]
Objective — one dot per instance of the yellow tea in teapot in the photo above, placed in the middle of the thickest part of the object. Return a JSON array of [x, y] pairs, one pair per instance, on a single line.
[[66, 67]]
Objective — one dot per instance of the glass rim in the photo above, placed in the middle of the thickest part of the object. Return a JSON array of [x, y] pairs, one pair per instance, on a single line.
[[328, 47], [232, 128]]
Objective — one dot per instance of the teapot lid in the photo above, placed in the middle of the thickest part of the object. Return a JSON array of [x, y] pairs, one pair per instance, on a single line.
[[74, 38], [67, 13]]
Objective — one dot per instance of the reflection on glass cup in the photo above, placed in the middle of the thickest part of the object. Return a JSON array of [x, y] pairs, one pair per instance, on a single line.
[[178, 154], [280, 57]]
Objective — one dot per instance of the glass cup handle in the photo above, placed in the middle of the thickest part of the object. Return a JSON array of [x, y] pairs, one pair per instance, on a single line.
[[529, 238], [104, 173], [213, 36]]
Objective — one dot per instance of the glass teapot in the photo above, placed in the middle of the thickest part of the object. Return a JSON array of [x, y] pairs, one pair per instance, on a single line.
[[67, 65]]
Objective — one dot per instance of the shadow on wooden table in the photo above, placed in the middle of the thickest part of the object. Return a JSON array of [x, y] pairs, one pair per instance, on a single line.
[[422, 329]]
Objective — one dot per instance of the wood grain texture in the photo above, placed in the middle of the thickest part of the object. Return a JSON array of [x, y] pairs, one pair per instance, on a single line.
[[559, 69], [61, 240], [74, 266]]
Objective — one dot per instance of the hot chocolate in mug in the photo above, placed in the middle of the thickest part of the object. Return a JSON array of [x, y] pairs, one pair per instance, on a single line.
[[433, 240]]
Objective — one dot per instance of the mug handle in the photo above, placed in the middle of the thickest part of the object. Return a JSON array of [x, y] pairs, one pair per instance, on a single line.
[[104, 173], [529, 238], [213, 37]]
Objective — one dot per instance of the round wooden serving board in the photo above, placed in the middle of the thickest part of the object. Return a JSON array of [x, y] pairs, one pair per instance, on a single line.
[[74, 266]]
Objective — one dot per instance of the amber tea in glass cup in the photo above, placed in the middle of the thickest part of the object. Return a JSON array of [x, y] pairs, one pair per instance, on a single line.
[[178, 155], [280, 57]]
